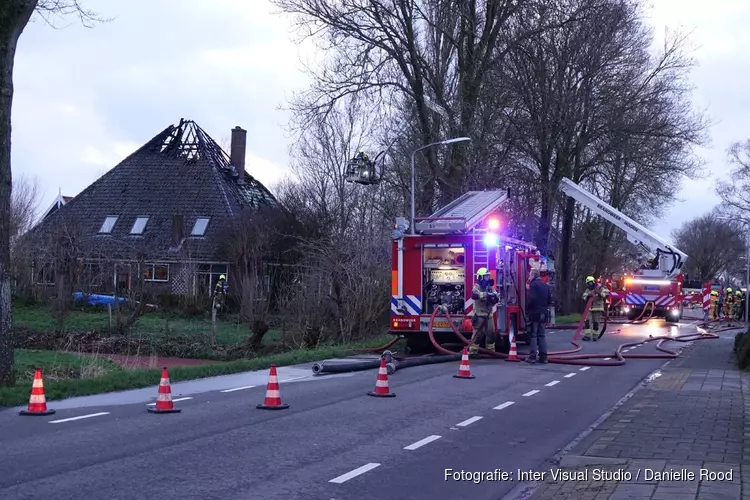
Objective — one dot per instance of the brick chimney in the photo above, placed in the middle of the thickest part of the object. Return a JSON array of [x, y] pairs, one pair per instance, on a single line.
[[237, 151], [178, 232]]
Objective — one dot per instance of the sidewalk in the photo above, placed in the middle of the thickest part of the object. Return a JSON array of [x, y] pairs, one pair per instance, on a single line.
[[691, 417]]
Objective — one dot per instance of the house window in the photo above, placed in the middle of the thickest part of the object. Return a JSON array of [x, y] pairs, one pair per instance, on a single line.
[[109, 224], [199, 228], [207, 275], [45, 274], [139, 225], [156, 272]]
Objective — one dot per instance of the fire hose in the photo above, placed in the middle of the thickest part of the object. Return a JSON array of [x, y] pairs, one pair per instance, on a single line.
[[559, 357]]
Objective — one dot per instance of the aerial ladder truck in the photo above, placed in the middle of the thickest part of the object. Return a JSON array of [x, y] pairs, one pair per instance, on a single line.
[[658, 285]]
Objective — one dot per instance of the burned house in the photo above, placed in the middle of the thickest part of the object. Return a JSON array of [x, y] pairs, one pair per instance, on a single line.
[[160, 214]]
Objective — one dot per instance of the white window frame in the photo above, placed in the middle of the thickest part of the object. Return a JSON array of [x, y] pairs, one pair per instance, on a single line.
[[143, 229], [205, 227], [153, 267], [113, 218]]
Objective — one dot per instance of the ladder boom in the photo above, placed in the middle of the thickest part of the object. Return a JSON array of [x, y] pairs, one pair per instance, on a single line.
[[636, 233]]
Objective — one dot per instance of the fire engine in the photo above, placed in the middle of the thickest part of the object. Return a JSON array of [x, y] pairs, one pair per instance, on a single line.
[[659, 283], [437, 263]]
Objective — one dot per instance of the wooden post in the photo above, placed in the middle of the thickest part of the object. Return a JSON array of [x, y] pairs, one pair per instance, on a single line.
[[109, 311], [213, 321]]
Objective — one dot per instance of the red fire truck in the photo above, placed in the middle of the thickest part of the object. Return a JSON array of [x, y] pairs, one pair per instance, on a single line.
[[437, 263]]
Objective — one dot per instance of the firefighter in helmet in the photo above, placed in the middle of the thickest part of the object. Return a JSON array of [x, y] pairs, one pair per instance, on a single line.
[[220, 292], [714, 307], [728, 301], [596, 312], [485, 297]]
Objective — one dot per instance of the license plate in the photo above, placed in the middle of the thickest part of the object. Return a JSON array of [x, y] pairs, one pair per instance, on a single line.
[[441, 324]]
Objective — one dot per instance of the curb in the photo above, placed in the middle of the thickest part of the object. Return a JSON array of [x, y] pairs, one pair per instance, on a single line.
[[525, 490]]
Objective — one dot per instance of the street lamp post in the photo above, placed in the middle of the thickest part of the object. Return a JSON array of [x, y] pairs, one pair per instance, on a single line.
[[447, 141]]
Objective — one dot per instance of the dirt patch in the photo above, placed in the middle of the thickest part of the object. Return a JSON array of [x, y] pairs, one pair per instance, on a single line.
[[144, 362]]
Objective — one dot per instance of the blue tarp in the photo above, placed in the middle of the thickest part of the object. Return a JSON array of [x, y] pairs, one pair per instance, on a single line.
[[97, 300]]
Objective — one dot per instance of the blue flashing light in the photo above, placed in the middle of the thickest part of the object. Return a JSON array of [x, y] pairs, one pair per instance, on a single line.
[[491, 240]]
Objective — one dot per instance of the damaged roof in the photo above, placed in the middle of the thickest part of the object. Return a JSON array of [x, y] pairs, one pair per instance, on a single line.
[[173, 183]]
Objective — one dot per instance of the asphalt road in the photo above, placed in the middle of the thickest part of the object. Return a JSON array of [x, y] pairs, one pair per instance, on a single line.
[[334, 442]]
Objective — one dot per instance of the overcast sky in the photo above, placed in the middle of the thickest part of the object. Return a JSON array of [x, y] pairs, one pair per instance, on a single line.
[[86, 98]]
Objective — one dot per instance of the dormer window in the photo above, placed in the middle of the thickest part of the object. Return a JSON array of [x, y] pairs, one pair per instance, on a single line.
[[199, 228], [108, 225], [139, 225]]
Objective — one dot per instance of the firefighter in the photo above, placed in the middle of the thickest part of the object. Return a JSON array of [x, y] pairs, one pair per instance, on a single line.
[[485, 298], [737, 305], [728, 303], [596, 312], [220, 292], [362, 157], [714, 307]]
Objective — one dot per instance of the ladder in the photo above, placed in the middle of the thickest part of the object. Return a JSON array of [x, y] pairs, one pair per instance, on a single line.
[[479, 250], [463, 213]]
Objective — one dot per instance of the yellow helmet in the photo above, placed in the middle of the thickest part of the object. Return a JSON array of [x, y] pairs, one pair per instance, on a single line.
[[729, 290], [714, 292], [222, 277], [738, 292], [590, 279], [483, 271]]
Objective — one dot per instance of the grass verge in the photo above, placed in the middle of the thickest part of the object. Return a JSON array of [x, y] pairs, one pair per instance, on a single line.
[[97, 375], [567, 319]]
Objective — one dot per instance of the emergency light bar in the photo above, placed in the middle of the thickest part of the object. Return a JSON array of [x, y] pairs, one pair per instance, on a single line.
[[648, 282], [491, 240]]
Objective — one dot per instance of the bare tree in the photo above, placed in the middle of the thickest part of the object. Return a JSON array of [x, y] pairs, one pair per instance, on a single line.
[[735, 192], [14, 16], [714, 245], [24, 207]]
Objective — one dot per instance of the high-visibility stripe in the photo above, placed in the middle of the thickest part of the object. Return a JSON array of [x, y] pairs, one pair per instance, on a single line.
[[273, 394]]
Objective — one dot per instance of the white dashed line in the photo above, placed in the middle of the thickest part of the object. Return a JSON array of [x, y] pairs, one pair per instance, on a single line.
[[174, 400], [504, 405], [239, 388], [570, 375], [585, 368], [468, 421], [78, 418], [554, 382], [422, 442], [356, 472], [607, 359], [293, 378], [531, 393]]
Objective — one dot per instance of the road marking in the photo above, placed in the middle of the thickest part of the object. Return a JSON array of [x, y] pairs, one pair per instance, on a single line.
[[468, 421], [78, 418], [531, 393], [422, 442], [607, 359], [585, 368], [354, 473], [239, 388], [554, 382], [504, 405], [570, 375], [174, 400], [293, 378]]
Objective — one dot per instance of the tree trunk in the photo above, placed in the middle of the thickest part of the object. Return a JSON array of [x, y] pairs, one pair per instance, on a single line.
[[14, 15], [566, 258]]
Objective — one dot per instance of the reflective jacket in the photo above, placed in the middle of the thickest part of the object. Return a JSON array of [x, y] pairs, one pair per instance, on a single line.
[[482, 303], [600, 293]]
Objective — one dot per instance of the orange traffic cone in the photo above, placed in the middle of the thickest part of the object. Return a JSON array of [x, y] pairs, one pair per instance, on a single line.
[[513, 354], [164, 402], [273, 396], [381, 385], [464, 370], [37, 400]]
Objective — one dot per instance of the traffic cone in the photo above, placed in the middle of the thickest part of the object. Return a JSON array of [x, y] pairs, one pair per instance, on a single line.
[[381, 385], [37, 400], [513, 354], [273, 396], [464, 370], [164, 402]]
